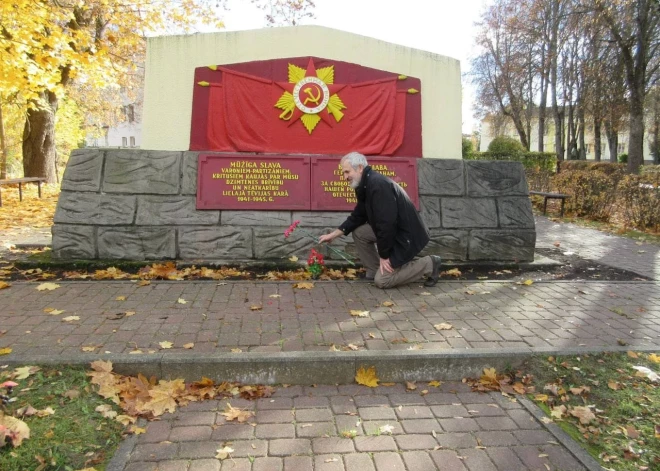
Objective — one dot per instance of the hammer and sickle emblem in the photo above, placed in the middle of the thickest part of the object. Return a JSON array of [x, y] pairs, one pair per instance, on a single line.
[[312, 98]]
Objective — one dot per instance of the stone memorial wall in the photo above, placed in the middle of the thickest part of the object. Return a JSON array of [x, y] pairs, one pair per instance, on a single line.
[[142, 205]]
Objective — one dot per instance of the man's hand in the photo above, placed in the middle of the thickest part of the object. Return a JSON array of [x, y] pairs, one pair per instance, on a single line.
[[330, 237], [385, 266]]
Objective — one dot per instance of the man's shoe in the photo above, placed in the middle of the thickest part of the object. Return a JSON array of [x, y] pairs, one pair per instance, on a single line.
[[435, 274], [367, 276]]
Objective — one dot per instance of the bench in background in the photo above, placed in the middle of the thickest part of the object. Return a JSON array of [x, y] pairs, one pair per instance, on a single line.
[[547, 196], [20, 181]]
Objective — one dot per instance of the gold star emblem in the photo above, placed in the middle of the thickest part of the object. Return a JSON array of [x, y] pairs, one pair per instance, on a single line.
[[311, 96]]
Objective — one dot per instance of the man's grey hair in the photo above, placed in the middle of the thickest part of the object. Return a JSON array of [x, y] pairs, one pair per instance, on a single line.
[[355, 159]]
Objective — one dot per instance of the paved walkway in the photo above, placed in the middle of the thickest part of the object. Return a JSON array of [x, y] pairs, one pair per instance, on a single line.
[[303, 427], [355, 428]]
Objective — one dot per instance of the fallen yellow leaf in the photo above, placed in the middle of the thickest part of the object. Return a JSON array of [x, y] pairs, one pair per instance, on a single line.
[[388, 304], [367, 377], [223, 453], [181, 301], [443, 326], [654, 358], [5, 351], [70, 318], [188, 345], [120, 298], [293, 258], [435, 384], [528, 282], [358, 313], [4, 285], [303, 285], [256, 307], [165, 344], [47, 286], [90, 348]]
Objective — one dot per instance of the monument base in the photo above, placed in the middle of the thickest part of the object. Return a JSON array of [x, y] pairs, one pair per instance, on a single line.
[[141, 205]]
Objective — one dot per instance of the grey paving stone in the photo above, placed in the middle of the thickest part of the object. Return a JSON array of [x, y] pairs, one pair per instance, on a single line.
[[477, 460], [298, 463], [418, 461], [287, 447], [447, 460], [373, 443], [388, 462]]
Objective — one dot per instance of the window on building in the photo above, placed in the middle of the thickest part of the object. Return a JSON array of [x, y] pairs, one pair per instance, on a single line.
[[132, 141], [129, 113], [124, 142]]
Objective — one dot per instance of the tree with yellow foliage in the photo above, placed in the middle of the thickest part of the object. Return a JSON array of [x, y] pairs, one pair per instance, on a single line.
[[46, 45]]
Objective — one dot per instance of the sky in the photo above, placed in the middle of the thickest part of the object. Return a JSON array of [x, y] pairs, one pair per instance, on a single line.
[[438, 26]]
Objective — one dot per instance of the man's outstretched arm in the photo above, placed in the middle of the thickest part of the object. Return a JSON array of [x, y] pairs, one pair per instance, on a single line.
[[331, 236]]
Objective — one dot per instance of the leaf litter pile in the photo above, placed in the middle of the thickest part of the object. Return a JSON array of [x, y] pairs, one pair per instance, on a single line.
[[609, 403]]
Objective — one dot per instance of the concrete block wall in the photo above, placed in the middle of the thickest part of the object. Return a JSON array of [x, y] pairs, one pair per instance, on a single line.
[[140, 205]]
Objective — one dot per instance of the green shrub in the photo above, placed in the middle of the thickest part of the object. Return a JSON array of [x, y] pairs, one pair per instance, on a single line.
[[649, 170], [641, 201], [608, 168], [623, 158], [506, 145], [593, 194], [540, 160], [466, 147]]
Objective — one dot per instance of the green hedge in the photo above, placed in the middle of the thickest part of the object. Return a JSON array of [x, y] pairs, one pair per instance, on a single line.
[[540, 160]]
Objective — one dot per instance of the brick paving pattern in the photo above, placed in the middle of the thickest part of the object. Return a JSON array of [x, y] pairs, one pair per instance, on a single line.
[[219, 317], [356, 428]]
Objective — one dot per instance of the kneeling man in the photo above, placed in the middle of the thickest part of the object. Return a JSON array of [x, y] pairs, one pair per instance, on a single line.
[[387, 230]]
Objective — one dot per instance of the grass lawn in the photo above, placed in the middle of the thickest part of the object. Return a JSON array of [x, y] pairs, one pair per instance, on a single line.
[[73, 437], [624, 432]]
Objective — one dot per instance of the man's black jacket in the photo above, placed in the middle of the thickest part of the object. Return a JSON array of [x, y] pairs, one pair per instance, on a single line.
[[400, 231]]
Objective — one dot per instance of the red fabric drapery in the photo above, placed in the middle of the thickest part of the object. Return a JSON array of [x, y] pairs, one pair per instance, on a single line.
[[242, 118]]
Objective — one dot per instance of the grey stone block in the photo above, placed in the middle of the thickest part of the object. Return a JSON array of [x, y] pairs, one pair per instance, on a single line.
[[516, 212], [172, 210], [323, 219], [270, 243], [468, 212], [495, 178], [189, 170], [255, 218], [139, 171], [450, 245], [73, 241], [503, 245], [215, 242], [136, 243], [441, 177], [83, 170], [94, 208], [430, 211]]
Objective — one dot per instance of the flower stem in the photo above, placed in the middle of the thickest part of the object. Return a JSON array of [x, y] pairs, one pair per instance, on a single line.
[[341, 253]]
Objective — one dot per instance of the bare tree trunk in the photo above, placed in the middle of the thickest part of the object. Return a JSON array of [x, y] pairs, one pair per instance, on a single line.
[[3, 146], [582, 150], [636, 142], [39, 140], [597, 143], [612, 140], [654, 131]]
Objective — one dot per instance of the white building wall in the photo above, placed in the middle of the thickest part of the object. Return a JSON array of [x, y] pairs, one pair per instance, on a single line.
[[510, 130], [171, 62]]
